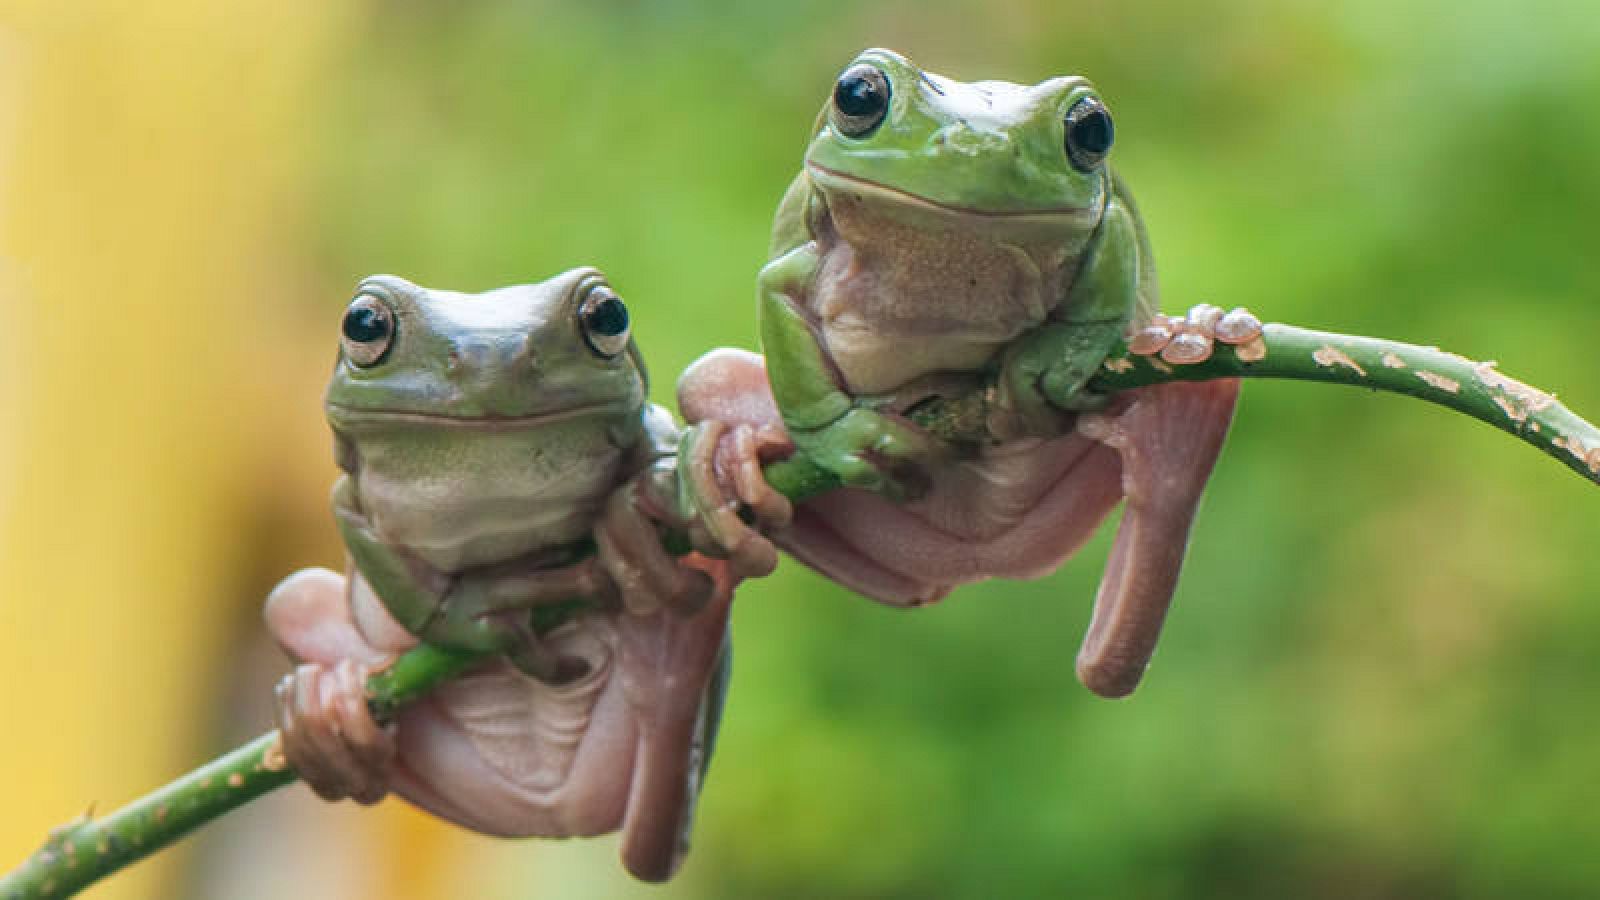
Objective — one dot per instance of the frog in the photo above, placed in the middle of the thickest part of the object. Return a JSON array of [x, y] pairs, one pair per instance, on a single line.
[[487, 443], [946, 239]]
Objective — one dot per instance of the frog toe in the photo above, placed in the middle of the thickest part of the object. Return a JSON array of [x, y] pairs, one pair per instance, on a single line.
[[329, 737]]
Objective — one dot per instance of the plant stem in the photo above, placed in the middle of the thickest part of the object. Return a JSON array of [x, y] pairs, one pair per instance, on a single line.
[[1474, 388], [83, 851], [86, 850]]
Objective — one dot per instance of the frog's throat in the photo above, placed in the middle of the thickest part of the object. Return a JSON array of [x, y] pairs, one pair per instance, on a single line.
[[831, 180], [343, 416]]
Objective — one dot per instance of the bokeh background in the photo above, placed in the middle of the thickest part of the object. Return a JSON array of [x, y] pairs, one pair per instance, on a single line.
[[1379, 678]]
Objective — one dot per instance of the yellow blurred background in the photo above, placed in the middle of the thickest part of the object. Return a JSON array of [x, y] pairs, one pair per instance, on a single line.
[[1379, 676]]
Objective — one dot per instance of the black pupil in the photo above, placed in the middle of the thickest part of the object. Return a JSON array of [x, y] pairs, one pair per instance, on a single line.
[[857, 95], [365, 324], [608, 317], [1091, 131]]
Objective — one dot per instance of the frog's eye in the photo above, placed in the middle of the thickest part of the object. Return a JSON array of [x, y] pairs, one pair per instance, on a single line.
[[603, 318], [860, 100], [1088, 134], [368, 330]]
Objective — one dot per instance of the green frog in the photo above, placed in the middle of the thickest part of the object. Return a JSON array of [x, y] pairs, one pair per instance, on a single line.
[[945, 237], [488, 441]]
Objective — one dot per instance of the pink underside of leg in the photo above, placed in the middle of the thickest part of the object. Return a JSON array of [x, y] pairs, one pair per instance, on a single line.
[[1169, 441], [896, 555], [313, 620]]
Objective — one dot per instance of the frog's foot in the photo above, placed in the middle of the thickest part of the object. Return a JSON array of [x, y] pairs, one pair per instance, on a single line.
[[868, 449], [329, 736], [719, 479], [628, 549], [1042, 379], [1190, 339], [488, 610], [863, 447]]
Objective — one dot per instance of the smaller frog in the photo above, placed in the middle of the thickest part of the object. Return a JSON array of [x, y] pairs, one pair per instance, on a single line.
[[484, 439], [487, 440]]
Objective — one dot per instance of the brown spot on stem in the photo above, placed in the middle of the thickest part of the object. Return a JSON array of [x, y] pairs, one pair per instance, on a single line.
[[1589, 456], [1517, 400], [161, 813], [235, 780], [1250, 351], [49, 887], [1448, 385], [273, 759], [1390, 361], [1118, 364], [1329, 355], [1159, 366], [205, 782]]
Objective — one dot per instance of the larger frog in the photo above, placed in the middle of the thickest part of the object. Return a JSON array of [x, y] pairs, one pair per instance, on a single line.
[[945, 237], [485, 440]]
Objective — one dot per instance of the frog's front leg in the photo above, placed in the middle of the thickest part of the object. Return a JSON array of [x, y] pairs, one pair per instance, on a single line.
[[862, 446], [1045, 372], [488, 610], [479, 611], [412, 591]]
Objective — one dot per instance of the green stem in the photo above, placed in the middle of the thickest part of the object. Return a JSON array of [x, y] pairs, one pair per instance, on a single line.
[[81, 852], [1474, 388], [85, 850]]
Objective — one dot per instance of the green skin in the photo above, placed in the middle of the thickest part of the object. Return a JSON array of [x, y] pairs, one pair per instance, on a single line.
[[480, 450], [489, 442], [955, 237]]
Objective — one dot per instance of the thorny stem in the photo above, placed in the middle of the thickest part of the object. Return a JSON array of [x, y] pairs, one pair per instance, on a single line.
[[85, 850]]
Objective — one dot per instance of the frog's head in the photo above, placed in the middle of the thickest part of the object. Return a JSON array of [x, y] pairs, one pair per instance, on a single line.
[[894, 135], [514, 357]]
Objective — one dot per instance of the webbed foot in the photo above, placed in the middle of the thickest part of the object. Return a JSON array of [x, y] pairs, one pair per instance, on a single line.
[[329, 736], [628, 549], [720, 481], [1043, 378], [490, 610], [868, 449], [1191, 338]]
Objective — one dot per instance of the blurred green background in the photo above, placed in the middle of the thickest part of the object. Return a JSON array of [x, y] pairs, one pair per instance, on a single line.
[[1380, 670]]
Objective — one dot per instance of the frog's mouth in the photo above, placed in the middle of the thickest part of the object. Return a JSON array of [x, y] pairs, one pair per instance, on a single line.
[[354, 416], [832, 180]]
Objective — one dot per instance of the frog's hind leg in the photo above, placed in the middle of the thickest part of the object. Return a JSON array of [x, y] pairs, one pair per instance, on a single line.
[[1168, 440], [672, 671], [325, 730]]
